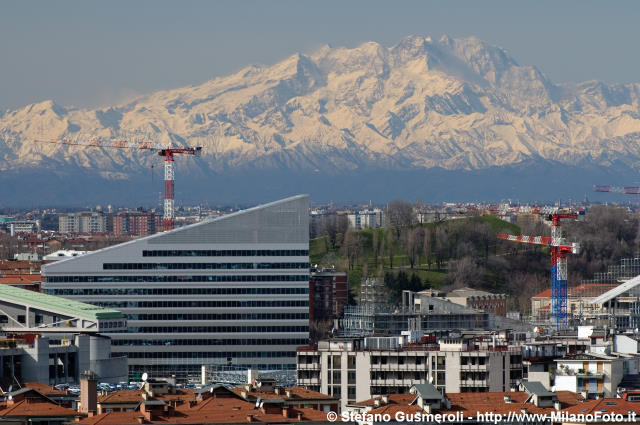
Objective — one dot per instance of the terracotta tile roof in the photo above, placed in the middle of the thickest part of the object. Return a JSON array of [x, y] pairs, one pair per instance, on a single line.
[[44, 389], [392, 409], [296, 393], [34, 408], [470, 403], [544, 294], [604, 405], [122, 396], [135, 396], [212, 410], [393, 399]]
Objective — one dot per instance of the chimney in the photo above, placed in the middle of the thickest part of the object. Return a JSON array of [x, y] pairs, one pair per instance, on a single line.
[[523, 410], [507, 398], [299, 416], [376, 402], [249, 418], [140, 419], [88, 392], [288, 393], [285, 412], [277, 391], [557, 405], [385, 399], [244, 394]]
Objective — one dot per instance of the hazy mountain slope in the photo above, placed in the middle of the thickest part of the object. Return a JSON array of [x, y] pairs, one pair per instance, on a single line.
[[419, 106]]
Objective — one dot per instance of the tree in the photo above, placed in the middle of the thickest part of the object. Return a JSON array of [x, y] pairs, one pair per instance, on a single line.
[[375, 247], [427, 245], [415, 238], [400, 214], [390, 236], [352, 247]]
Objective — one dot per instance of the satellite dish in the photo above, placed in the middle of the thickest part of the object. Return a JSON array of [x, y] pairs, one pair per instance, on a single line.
[[145, 376], [10, 397]]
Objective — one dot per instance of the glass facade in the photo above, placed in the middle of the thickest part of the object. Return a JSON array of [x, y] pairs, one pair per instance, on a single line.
[[200, 308]]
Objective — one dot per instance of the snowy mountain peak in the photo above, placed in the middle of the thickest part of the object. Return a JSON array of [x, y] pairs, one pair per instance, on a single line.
[[452, 103]]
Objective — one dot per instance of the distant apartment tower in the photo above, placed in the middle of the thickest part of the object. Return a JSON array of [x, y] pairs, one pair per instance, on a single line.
[[366, 219], [233, 290], [84, 222], [328, 293], [134, 223]]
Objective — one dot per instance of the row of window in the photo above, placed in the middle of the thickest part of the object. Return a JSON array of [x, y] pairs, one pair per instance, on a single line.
[[204, 355], [178, 291], [224, 316], [231, 341], [227, 253], [196, 304], [217, 329], [141, 279], [203, 266]]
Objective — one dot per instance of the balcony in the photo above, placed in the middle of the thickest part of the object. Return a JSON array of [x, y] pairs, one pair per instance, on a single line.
[[474, 367], [473, 383], [308, 366]]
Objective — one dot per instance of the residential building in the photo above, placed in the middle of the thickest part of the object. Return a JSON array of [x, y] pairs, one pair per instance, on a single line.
[[358, 369], [366, 219], [328, 293], [232, 290], [83, 222], [26, 406], [592, 374], [479, 300]]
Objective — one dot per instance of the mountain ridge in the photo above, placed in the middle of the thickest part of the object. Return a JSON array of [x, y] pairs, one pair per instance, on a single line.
[[451, 104]]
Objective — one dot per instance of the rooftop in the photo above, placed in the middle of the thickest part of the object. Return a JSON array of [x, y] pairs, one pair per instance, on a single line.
[[56, 304]]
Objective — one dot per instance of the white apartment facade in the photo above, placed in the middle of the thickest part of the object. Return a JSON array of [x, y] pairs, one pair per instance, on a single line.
[[353, 370]]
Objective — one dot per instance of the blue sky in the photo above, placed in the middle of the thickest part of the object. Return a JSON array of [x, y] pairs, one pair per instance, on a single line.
[[90, 53]]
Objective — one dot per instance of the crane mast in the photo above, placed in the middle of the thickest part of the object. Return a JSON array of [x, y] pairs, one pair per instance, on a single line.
[[560, 249]]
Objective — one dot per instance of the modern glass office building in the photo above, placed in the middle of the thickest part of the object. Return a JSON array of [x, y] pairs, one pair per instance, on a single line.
[[233, 290]]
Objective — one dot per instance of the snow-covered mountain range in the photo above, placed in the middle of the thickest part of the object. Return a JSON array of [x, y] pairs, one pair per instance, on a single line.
[[459, 108]]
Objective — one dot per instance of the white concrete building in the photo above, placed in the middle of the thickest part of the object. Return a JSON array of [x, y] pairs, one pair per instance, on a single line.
[[233, 290], [358, 369], [592, 374]]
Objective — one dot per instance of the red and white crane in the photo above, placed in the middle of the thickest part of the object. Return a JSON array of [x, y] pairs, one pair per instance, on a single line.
[[560, 249], [165, 151], [629, 190]]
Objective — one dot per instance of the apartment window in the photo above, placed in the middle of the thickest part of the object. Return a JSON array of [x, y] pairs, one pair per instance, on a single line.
[[336, 376], [351, 393], [335, 390], [351, 362], [351, 378], [337, 362]]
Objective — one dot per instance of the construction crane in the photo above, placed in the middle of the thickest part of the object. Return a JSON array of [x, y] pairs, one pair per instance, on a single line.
[[560, 249], [165, 151], [629, 190]]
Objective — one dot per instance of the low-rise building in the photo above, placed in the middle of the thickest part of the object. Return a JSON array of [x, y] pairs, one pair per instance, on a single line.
[[479, 300], [591, 374]]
